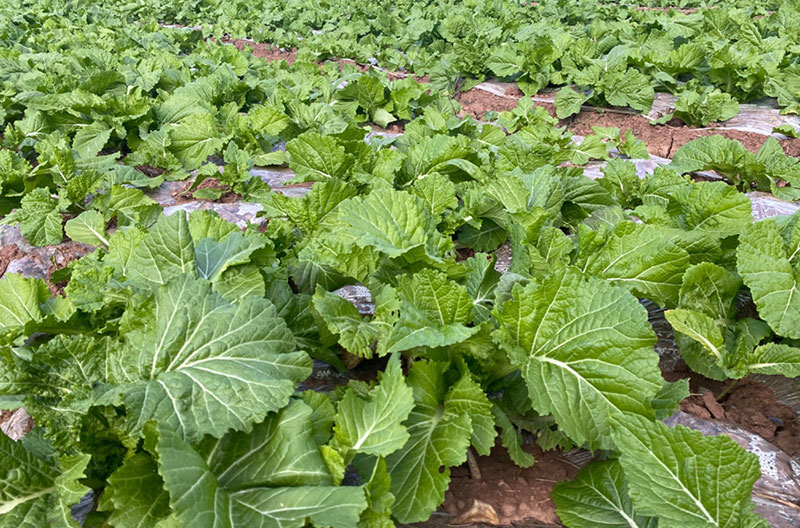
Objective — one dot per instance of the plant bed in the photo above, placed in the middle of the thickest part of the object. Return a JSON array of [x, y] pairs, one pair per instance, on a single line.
[[242, 292]]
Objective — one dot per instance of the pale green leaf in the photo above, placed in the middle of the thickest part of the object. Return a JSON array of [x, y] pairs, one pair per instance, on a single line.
[[768, 259], [585, 349], [194, 139], [203, 366], [90, 139], [39, 218], [89, 227], [683, 477], [704, 330], [434, 312], [20, 301], [774, 359], [568, 102]]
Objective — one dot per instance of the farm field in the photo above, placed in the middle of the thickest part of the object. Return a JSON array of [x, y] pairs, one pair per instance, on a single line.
[[372, 264]]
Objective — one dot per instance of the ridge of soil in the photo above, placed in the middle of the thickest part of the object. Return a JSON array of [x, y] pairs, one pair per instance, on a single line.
[[63, 255], [752, 405], [661, 140], [185, 195], [273, 53], [513, 493], [265, 51]]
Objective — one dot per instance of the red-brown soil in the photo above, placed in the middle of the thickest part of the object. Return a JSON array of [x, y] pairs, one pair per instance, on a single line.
[[661, 140], [63, 255], [185, 195], [264, 51], [8, 254], [512, 492], [752, 405]]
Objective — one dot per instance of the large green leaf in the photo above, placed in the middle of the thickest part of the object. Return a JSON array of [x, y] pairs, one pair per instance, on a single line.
[[598, 496], [195, 139], [393, 222], [201, 365], [635, 256], [715, 152], [272, 477], [585, 349], [20, 302], [628, 88], [214, 257], [568, 102], [768, 259], [712, 207], [316, 158], [683, 477]]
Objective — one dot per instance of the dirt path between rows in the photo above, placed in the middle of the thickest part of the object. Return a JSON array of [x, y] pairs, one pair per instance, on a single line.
[[661, 140]]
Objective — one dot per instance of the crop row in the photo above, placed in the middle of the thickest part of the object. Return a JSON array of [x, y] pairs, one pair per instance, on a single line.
[[164, 380]]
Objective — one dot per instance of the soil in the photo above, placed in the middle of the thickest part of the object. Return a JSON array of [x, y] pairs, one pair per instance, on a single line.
[[264, 51], [9, 254], [63, 255], [752, 405], [477, 102], [664, 140], [185, 195], [661, 140], [149, 170], [513, 493]]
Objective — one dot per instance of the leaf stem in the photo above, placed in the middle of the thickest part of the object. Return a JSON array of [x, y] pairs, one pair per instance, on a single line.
[[472, 462], [727, 390]]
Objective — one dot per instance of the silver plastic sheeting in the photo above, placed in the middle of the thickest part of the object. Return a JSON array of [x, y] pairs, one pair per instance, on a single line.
[[777, 493]]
